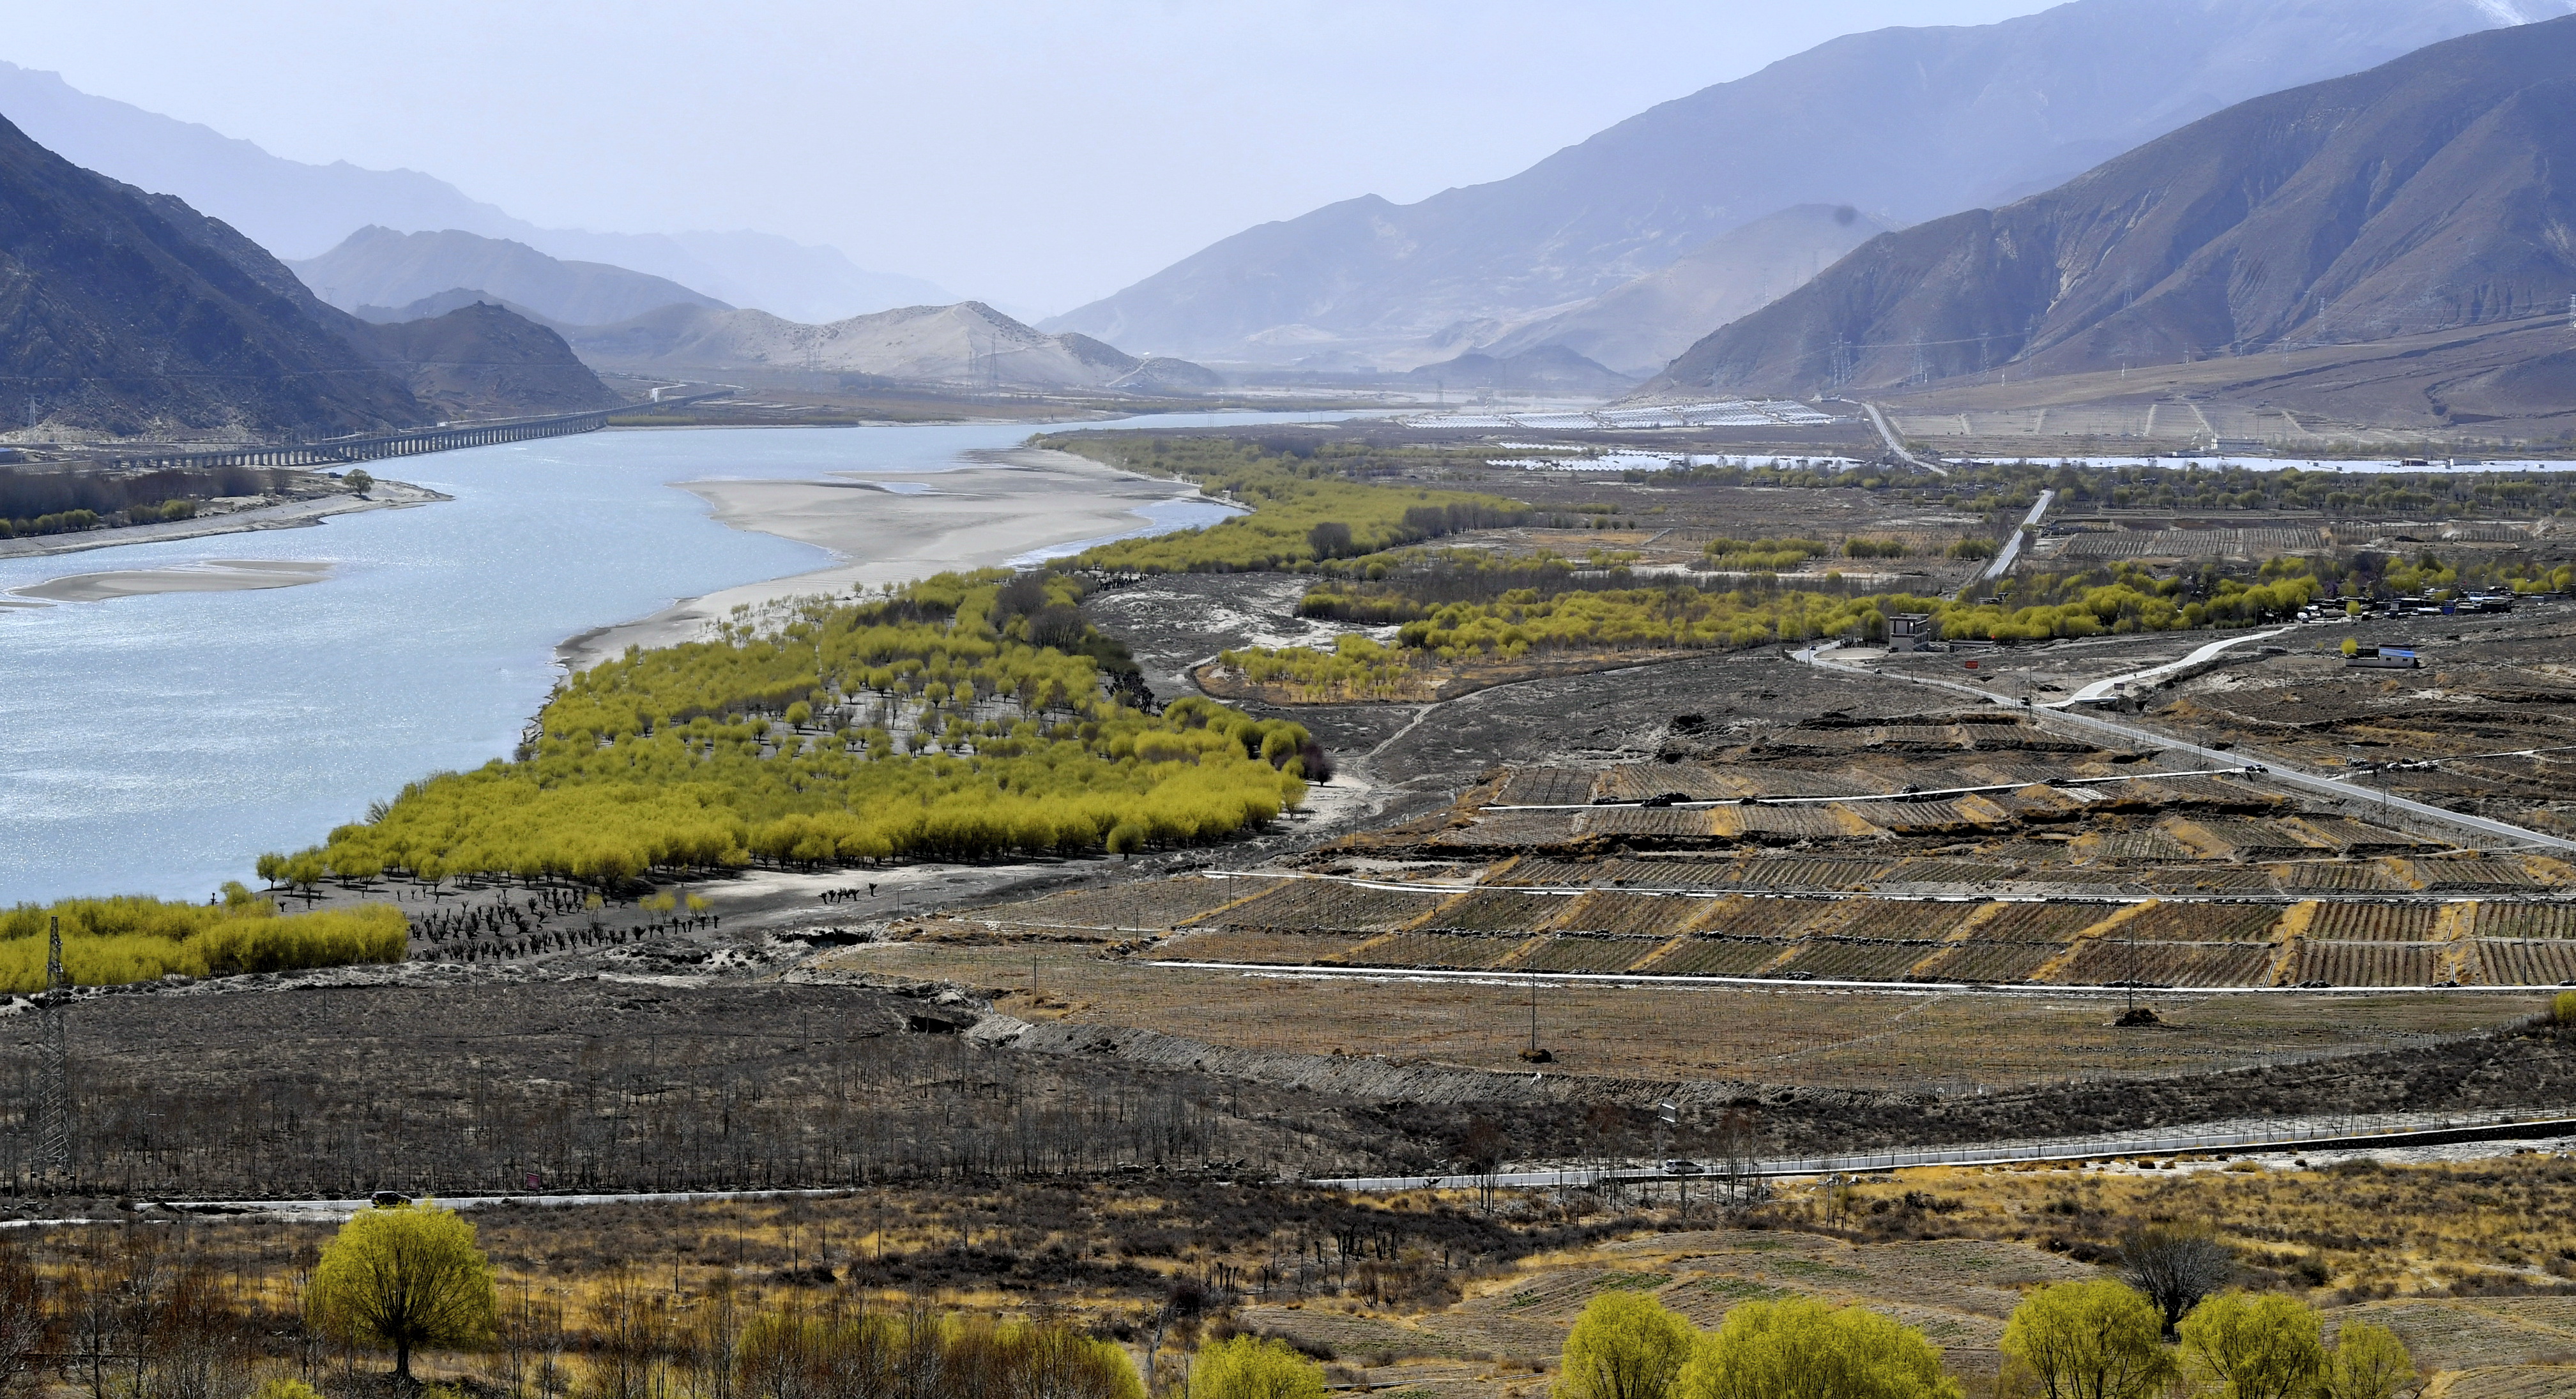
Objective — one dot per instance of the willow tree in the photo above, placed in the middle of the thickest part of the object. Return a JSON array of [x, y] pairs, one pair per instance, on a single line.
[[402, 1278]]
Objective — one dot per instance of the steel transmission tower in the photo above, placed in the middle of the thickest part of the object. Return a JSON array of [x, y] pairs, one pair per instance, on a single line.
[[54, 1106]]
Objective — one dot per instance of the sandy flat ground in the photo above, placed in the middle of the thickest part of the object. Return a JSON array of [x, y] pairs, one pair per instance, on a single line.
[[212, 576], [295, 514], [891, 528]]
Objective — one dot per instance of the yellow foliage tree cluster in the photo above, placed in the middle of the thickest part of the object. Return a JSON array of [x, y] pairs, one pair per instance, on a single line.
[[109, 942], [2104, 1340], [1630, 1346], [1287, 502], [714, 753]]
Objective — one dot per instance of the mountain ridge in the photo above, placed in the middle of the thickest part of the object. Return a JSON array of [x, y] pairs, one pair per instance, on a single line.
[[2421, 195], [1913, 123], [379, 266]]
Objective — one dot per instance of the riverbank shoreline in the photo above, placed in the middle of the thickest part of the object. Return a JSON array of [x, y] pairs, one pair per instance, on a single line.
[[893, 527], [293, 514]]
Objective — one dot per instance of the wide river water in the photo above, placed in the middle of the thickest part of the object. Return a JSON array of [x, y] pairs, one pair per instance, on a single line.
[[158, 744]]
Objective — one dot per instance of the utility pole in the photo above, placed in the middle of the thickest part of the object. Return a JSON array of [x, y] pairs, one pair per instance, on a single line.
[[53, 1110]]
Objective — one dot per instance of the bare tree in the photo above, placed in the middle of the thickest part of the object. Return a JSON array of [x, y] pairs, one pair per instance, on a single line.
[[22, 1314], [2175, 1265]]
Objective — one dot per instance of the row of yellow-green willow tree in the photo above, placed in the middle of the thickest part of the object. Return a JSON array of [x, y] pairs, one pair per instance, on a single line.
[[118, 940], [759, 744]]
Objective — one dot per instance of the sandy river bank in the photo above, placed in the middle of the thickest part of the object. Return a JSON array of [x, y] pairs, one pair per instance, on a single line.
[[893, 527]]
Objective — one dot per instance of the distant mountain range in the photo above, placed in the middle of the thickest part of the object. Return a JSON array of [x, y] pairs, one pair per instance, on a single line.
[[2434, 193], [130, 313], [299, 210], [378, 269], [1903, 124], [968, 346]]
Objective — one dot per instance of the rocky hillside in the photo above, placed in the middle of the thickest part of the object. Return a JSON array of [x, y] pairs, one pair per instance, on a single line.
[[122, 322], [1638, 328], [969, 345], [2427, 194], [376, 268], [1905, 123]]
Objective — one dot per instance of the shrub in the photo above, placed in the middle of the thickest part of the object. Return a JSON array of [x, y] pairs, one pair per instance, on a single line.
[[1626, 1345], [2089, 1340], [1247, 1367], [2563, 1008], [111, 942], [1801, 1347]]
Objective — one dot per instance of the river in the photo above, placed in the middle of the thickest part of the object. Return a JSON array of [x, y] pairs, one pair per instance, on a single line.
[[157, 744]]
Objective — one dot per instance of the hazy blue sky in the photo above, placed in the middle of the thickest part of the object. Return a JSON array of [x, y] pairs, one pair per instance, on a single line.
[[1038, 153]]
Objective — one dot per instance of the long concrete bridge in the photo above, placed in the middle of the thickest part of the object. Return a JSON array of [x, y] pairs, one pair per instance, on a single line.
[[337, 451]]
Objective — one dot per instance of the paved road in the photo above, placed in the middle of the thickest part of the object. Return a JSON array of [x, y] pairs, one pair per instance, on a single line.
[[2102, 689], [2480, 1127], [2012, 547], [2283, 774], [1887, 434]]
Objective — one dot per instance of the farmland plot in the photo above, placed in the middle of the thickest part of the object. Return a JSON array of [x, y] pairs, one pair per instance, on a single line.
[[1990, 961], [2368, 963], [1442, 951], [2518, 920], [2200, 923], [1547, 787], [1644, 915], [1810, 874], [2208, 879], [1303, 904], [1268, 949], [1159, 903], [2318, 878], [2472, 876], [1594, 952], [1653, 823], [2035, 922], [1497, 910], [1950, 872], [2350, 837], [2340, 922], [1772, 918], [1636, 782], [2499, 962], [1718, 956], [1838, 959], [1907, 920], [2104, 961], [1965, 815], [1511, 830], [1780, 825]]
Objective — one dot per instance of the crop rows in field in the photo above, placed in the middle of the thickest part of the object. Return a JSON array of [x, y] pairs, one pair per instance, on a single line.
[[2200, 923], [1498, 910], [1903, 920], [2367, 963], [1936, 871], [1962, 815], [1784, 823], [1505, 830], [2470, 876], [2352, 837], [1718, 956], [1990, 961], [1301, 904], [2498, 962], [1652, 822], [2374, 922], [1768, 918], [1636, 782], [2320, 878], [1547, 787], [1436, 950], [1270, 949], [1580, 953], [2512, 920], [2244, 840], [2193, 544], [1838, 959], [1809, 874], [1645, 915], [2049, 922], [2207, 879], [1159, 903], [2110, 959]]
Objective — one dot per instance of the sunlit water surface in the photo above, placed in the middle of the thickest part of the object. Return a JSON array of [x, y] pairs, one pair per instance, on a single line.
[[157, 744]]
